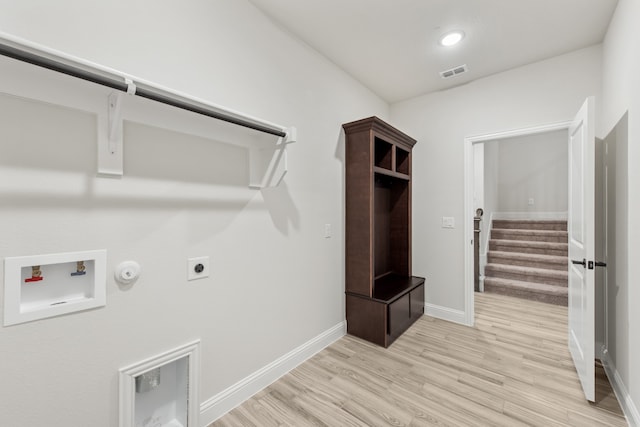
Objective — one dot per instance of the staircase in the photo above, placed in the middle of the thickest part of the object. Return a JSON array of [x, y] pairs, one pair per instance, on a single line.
[[528, 259]]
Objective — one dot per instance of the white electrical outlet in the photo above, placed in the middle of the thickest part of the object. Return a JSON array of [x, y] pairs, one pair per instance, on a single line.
[[448, 222], [197, 268], [530, 201]]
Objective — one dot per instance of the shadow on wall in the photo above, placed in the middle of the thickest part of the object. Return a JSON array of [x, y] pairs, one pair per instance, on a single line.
[[154, 153], [49, 157], [281, 207], [50, 153]]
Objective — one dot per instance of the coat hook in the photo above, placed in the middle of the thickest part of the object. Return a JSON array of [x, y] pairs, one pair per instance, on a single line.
[[36, 274], [80, 269]]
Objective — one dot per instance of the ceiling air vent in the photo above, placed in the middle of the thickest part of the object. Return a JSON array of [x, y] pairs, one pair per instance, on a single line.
[[454, 71]]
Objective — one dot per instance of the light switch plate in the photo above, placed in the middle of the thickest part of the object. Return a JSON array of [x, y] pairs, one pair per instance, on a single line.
[[448, 222]]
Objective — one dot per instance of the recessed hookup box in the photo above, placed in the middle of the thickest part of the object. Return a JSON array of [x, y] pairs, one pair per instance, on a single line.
[[43, 286]]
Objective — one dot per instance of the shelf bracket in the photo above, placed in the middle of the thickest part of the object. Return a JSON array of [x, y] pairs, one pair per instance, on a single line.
[[292, 135], [110, 149], [268, 166]]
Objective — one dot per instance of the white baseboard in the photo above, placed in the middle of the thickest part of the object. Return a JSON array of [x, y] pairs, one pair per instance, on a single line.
[[530, 215], [626, 403], [446, 313], [601, 351], [225, 401]]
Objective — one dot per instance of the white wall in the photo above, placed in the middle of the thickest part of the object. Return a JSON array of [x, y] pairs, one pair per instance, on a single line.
[[533, 166], [601, 182], [545, 92], [491, 180], [621, 90], [617, 336], [276, 282], [478, 177]]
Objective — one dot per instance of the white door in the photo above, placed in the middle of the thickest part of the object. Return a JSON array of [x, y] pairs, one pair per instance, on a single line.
[[581, 228]]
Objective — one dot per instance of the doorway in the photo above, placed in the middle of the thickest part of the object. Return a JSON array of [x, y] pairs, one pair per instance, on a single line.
[[604, 193], [521, 184], [471, 197]]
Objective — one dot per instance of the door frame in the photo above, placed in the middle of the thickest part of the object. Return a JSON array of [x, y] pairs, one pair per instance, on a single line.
[[469, 309]]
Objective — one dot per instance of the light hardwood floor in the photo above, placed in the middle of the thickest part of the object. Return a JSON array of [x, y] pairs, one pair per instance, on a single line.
[[512, 369]]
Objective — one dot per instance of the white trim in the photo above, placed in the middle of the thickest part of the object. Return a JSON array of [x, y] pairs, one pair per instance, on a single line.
[[468, 214], [626, 403], [519, 132], [226, 400], [446, 313], [561, 216], [485, 249]]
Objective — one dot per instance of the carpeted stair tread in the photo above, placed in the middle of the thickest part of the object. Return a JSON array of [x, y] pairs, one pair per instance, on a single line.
[[548, 248], [552, 262], [535, 291], [527, 274], [528, 259], [531, 224], [529, 235]]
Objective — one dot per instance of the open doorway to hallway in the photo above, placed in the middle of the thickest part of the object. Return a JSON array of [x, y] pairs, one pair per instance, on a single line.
[[521, 187], [530, 177], [610, 225], [475, 171]]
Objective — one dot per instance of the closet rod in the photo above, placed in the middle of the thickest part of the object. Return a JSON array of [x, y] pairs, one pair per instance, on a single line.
[[121, 85]]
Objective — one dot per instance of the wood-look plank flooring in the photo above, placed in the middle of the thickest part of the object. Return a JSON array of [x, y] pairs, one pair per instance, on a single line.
[[512, 369]]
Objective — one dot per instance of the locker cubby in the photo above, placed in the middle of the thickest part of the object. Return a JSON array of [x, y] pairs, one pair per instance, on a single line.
[[161, 391], [382, 154], [402, 161], [43, 286]]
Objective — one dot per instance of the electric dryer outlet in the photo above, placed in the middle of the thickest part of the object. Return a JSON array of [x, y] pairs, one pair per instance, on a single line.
[[197, 268]]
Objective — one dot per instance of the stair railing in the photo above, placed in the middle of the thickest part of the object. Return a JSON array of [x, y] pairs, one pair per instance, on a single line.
[[476, 249]]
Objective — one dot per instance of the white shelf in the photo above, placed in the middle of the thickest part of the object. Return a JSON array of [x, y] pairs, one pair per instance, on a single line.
[[268, 160]]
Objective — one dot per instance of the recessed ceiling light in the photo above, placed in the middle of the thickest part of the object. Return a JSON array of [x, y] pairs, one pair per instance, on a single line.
[[451, 38]]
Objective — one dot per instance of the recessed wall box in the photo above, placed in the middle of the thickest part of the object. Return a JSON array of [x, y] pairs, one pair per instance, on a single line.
[[42, 286], [162, 391]]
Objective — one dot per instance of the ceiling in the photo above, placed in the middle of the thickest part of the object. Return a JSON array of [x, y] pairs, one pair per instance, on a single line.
[[391, 46]]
